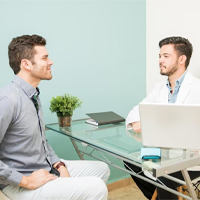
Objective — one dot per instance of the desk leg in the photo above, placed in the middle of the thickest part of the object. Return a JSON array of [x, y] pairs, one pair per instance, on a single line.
[[189, 184], [76, 148]]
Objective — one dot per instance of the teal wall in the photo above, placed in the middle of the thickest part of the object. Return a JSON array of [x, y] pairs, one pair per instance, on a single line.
[[98, 49]]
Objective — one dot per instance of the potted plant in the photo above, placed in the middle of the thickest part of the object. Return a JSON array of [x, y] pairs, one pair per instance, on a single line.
[[64, 107]]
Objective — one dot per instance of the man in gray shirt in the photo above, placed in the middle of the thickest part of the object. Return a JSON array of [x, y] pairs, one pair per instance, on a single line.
[[27, 162]]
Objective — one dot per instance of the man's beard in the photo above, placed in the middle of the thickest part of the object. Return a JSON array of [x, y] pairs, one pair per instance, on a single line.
[[40, 74], [169, 73]]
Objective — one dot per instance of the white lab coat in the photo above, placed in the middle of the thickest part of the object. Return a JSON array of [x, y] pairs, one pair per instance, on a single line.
[[189, 93]]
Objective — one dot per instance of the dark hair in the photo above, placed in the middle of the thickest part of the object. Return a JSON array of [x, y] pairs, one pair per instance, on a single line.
[[181, 45], [23, 48]]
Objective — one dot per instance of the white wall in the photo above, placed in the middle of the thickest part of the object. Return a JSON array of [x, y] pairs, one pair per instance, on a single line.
[[165, 18]]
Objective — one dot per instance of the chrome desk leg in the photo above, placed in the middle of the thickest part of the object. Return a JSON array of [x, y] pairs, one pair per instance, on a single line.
[[189, 184], [76, 148]]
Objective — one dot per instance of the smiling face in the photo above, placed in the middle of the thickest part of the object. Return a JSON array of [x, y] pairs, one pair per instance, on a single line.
[[41, 64], [168, 60]]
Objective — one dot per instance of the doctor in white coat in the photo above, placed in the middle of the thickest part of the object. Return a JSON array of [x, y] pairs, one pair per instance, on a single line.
[[189, 93], [181, 87]]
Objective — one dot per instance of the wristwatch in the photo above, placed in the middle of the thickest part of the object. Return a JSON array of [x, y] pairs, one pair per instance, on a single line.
[[60, 164]]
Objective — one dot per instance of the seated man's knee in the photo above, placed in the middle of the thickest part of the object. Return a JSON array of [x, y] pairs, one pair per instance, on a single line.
[[105, 170], [100, 188], [101, 185]]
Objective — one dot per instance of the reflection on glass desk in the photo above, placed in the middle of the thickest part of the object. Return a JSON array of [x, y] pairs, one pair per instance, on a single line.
[[111, 138], [125, 145]]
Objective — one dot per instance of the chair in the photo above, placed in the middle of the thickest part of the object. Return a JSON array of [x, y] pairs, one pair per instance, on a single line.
[[3, 196], [180, 189], [155, 194], [196, 183], [183, 189]]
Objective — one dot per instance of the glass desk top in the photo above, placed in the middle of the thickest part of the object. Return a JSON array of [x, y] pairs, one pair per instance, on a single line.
[[116, 139]]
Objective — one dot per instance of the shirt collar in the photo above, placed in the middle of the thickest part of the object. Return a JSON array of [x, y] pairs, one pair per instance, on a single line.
[[178, 81], [26, 87]]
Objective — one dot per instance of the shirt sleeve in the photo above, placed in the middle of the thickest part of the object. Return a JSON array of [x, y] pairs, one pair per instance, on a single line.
[[134, 114], [7, 174]]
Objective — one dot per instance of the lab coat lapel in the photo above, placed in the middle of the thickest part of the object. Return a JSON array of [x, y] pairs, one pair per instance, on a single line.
[[164, 94], [185, 88]]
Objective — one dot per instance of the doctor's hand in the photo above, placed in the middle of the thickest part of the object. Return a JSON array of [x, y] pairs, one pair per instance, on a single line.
[[136, 126]]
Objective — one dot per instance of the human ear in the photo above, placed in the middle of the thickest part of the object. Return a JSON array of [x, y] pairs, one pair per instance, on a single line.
[[182, 59], [26, 64]]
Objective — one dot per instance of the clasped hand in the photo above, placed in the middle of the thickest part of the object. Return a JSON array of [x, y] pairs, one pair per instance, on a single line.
[[136, 127], [36, 179], [41, 177]]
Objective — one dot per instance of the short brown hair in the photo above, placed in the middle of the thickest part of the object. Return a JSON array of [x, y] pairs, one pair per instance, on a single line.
[[22, 47], [181, 45]]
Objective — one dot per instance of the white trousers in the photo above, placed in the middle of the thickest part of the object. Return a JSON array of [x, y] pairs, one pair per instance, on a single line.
[[87, 182]]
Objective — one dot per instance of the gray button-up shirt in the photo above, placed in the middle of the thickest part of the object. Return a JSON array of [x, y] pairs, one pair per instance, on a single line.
[[23, 145]]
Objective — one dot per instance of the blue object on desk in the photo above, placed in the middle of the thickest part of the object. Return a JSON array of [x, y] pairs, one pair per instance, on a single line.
[[150, 153]]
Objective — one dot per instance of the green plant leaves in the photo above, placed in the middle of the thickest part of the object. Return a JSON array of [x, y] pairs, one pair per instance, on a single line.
[[65, 104]]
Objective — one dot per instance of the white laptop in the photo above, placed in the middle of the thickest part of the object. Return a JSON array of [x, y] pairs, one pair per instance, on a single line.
[[170, 125]]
